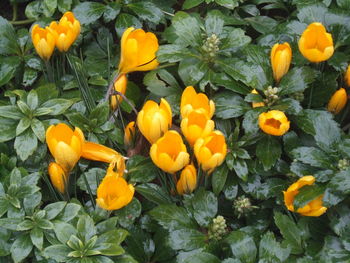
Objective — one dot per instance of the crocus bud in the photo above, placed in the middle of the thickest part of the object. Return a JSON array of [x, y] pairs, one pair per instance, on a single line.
[[169, 153], [68, 20], [64, 36], [313, 208], [347, 76], [138, 51], [119, 85], [337, 101], [43, 41], [188, 180], [65, 145], [129, 133], [154, 120], [98, 152], [281, 56], [315, 44], [114, 192], [58, 177], [210, 151], [257, 104], [274, 122], [190, 101], [196, 125]]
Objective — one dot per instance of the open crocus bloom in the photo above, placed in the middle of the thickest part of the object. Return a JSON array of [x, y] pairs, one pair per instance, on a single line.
[[43, 41], [274, 122], [68, 20], [138, 51], [315, 43], [154, 120], [313, 208], [169, 153], [211, 151], [191, 100], [64, 36], [65, 145]]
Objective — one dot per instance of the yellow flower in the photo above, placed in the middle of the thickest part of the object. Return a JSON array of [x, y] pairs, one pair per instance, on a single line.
[[68, 20], [129, 133], [43, 41], [119, 85], [274, 122], [347, 76], [190, 101], [315, 43], [188, 180], [65, 145], [98, 152], [313, 208], [257, 104], [64, 36], [114, 192], [211, 151], [154, 120], [58, 177], [337, 101], [196, 125], [138, 51], [169, 153], [281, 56]]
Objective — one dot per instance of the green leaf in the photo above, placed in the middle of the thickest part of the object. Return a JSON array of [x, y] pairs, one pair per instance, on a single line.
[[344, 4], [128, 214], [110, 249], [289, 231], [262, 24], [297, 80], [202, 257], [115, 236], [37, 237], [341, 182], [268, 151], [21, 248], [214, 23], [124, 21], [94, 176], [312, 13], [25, 144], [11, 112], [8, 42], [187, 28], [29, 76], [235, 39], [218, 179], [312, 156], [63, 231], [140, 169], [231, 4], [147, 11], [153, 193], [111, 12], [173, 53], [271, 251], [24, 108], [57, 106], [187, 239], [100, 113], [8, 67], [10, 223], [88, 12], [57, 252], [32, 99], [86, 227], [191, 3], [38, 129], [47, 92], [25, 225], [205, 206], [172, 217], [242, 246], [53, 209], [229, 105], [64, 5], [241, 168], [23, 124], [7, 129], [49, 7], [192, 70], [306, 194], [70, 211]]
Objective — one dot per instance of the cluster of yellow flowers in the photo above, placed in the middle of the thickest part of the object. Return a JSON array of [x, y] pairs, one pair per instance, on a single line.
[[61, 35], [68, 146], [316, 45], [168, 150]]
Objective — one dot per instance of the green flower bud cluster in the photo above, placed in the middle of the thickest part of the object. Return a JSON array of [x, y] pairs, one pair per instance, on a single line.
[[211, 46], [242, 206], [299, 96], [271, 95], [218, 228], [343, 164]]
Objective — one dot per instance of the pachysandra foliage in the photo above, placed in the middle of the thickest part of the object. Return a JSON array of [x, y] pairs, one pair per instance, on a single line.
[[174, 131]]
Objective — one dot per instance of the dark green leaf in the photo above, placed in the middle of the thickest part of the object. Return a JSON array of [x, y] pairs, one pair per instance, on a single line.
[[57, 106], [57, 252], [23, 124], [38, 129], [11, 112], [64, 5], [94, 176], [21, 248], [205, 206], [271, 251], [306, 194], [147, 11], [242, 246], [8, 42], [86, 227], [37, 237], [262, 24], [128, 214], [26, 144], [191, 3], [229, 105], [241, 168], [268, 151], [153, 193], [202, 257], [140, 169], [53, 209], [312, 156], [187, 29], [8, 66], [89, 12], [70, 211], [192, 70], [124, 21], [64, 231], [219, 179], [297, 80], [186, 239], [214, 23]]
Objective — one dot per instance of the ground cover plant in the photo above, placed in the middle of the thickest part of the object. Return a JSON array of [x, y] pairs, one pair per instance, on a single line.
[[195, 131]]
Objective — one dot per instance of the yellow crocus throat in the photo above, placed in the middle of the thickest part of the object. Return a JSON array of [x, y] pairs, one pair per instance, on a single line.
[[274, 122], [169, 153], [315, 44], [138, 51], [43, 41], [313, 208]]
